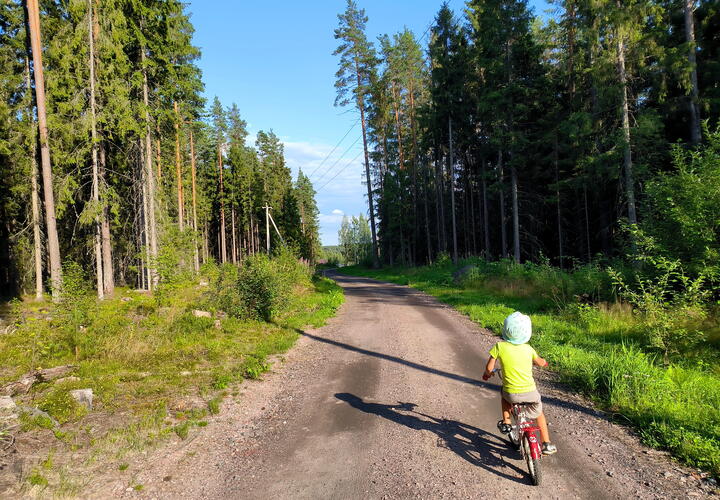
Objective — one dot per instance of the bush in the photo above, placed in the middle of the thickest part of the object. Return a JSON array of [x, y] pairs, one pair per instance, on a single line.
[[260, 288]]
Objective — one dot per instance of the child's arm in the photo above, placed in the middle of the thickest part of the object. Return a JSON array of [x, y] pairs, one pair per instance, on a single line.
[[489, 368], [538, 361]]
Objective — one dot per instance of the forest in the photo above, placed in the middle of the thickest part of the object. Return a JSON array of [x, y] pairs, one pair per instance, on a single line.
[[586, 135], [111, 158]]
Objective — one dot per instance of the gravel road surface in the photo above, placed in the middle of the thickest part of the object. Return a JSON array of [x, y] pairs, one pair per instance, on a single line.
[[386, 401]]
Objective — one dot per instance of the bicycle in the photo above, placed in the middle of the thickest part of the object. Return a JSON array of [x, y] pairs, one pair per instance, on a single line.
[[523, 437]]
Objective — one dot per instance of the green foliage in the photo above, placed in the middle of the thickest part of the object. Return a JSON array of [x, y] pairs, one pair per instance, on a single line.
[[665, 297], [60, 405], [182, 429], [37, 479], [355, 240], [681, 213], [214, 406]]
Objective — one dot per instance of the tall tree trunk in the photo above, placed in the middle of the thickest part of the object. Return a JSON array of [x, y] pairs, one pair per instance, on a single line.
[[146, 209], [35, 197], [223, 246], [416, 223], [627, 158], [178, 170], [152, 222], [194, 202], [472, 220], [50, 220], [94, 154], [361, 108], [587, 223], [232, 231], [516, 212], [442, 233], [557, 201], [426, 194], [108, 267], [503, 232], [486, 217], [451, 171], [688, 7]]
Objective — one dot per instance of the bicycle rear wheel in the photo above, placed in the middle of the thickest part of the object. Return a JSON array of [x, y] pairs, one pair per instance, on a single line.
[[514, 435], [532, 463]]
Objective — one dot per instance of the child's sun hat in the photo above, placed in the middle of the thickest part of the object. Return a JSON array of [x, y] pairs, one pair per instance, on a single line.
[[517, 328]]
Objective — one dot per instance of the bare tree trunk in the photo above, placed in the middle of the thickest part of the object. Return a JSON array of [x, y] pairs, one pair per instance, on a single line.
[[206, 243], [426, 185], [516, 214], [371, 205], [232, 230], [94, 154], [194, 201], [503, 232], [451, 171], [34, 196], [178, 170], [50, 220], [108, 268], [695, 134], [486, 217], [627, 158], [146, 208], [557, 201], [587, 222], [152, 223], [158, 156], [223, 246], [442, 234]]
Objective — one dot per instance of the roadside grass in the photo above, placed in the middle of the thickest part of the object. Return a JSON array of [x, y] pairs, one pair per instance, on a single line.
[[156, 370], [597, 346]]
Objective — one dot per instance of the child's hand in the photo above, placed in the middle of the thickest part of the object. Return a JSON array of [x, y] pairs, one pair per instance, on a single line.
[[487, 376]]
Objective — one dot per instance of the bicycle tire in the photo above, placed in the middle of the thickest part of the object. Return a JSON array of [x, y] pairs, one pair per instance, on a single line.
[[533, 464], [514, 436]]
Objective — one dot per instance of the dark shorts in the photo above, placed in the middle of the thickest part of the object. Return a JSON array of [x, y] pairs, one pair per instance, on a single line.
[[532, 410]]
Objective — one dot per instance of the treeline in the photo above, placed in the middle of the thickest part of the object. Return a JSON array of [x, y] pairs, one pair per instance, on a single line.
[[109, 157], [504, 135]]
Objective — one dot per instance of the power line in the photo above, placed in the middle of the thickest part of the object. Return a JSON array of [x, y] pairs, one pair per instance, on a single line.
[[336, 146], [340, 171], [338, 160]]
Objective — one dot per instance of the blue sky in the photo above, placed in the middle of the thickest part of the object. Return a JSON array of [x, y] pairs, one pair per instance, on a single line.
[[274, 60]]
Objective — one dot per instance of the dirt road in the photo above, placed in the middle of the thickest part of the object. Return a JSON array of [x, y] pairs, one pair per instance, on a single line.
[[387, 401]]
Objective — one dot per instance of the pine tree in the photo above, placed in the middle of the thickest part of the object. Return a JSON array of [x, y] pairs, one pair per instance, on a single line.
[[357, 67]]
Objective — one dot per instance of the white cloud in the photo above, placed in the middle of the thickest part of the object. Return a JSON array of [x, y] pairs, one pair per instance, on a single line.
[[337, 176]]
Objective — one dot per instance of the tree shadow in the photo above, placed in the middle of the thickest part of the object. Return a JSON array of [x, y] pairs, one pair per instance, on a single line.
[[473, 445], [547, 400]]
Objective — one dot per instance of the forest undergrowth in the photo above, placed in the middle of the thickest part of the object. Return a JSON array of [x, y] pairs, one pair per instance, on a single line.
[[158, 364], [652, 362]]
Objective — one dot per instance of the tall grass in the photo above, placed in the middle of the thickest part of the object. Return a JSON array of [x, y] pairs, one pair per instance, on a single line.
[[597, 345]]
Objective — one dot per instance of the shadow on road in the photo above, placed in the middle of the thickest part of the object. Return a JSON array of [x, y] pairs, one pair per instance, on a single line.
[[548, 400], [470, 443]]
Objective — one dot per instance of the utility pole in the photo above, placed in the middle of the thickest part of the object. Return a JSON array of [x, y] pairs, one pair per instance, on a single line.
[[267, 227]]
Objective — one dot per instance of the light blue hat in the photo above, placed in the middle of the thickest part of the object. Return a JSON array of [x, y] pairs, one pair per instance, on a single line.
[[517, 328]]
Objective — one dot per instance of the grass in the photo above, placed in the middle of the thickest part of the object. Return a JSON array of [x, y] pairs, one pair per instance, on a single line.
[[156, 369], [596, 345]]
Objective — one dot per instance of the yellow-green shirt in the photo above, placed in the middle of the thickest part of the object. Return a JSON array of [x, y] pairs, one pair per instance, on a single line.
[[517, 362]]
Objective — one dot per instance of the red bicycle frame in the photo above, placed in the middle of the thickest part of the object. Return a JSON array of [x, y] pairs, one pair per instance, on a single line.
[[528, 428]]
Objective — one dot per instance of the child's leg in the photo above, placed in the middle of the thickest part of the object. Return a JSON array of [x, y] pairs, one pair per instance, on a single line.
[[506, 407], [544, 433]]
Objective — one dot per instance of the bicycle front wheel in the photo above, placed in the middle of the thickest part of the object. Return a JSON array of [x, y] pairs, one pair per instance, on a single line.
[[533, 464]]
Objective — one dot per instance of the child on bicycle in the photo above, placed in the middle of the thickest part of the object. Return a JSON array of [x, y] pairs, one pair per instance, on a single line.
[[518, 386]]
